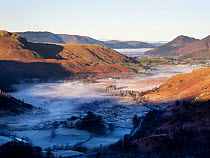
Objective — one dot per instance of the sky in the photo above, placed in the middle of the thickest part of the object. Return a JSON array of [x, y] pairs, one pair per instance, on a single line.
[[141, 20]]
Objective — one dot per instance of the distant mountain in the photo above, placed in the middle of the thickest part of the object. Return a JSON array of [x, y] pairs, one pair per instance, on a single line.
[[170, 48], [48, 37], [198, 49], [76, 39], [41, 37], [115, 44], [157, 44]]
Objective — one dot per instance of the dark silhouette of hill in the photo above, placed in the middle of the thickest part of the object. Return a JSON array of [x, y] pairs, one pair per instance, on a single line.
[[10, 106]]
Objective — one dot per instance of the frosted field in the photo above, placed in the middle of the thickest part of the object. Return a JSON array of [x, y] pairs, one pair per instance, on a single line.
[[63, 100]]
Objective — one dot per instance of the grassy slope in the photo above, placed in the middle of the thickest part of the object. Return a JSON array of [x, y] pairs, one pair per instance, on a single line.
[[190, 86]]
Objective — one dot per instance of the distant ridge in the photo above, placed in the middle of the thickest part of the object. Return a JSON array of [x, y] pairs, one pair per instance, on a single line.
[[48, 37], [128, 44]]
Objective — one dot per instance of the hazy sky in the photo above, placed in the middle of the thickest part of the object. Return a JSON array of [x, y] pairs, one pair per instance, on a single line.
[[147, 20]]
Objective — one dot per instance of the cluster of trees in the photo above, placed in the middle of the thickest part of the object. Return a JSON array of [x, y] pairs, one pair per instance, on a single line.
[[22, 150]]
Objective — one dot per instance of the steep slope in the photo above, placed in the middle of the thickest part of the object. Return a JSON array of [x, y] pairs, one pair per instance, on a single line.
[[170, 48], [115, 44], [190, 86], [13, 45]]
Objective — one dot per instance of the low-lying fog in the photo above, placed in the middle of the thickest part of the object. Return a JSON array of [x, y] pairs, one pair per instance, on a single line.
[[133, 52], [63, 100]]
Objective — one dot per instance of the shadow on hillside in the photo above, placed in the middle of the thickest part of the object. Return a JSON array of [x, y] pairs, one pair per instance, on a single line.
[[45, 50], [16, 70]]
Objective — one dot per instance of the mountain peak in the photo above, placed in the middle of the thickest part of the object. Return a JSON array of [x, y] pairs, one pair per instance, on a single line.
[[184, 38]]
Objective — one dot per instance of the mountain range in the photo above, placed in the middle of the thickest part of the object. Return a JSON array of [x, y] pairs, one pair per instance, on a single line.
[[48, 37]]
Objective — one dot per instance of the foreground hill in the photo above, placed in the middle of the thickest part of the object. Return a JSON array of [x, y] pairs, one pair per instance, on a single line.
[[170, 48], [48, 37], [180, 131], [190, 86], [21, 60], [13, 45]]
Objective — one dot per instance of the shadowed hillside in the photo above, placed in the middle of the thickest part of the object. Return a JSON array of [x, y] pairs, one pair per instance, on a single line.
[[180, 131], [9, 106]]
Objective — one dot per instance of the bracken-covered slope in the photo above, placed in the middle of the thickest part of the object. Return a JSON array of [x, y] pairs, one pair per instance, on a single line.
[[170, 48], [20, 60], [190, 86]]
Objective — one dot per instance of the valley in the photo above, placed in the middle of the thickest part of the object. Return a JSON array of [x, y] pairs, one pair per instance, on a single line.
[[87, 99]]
